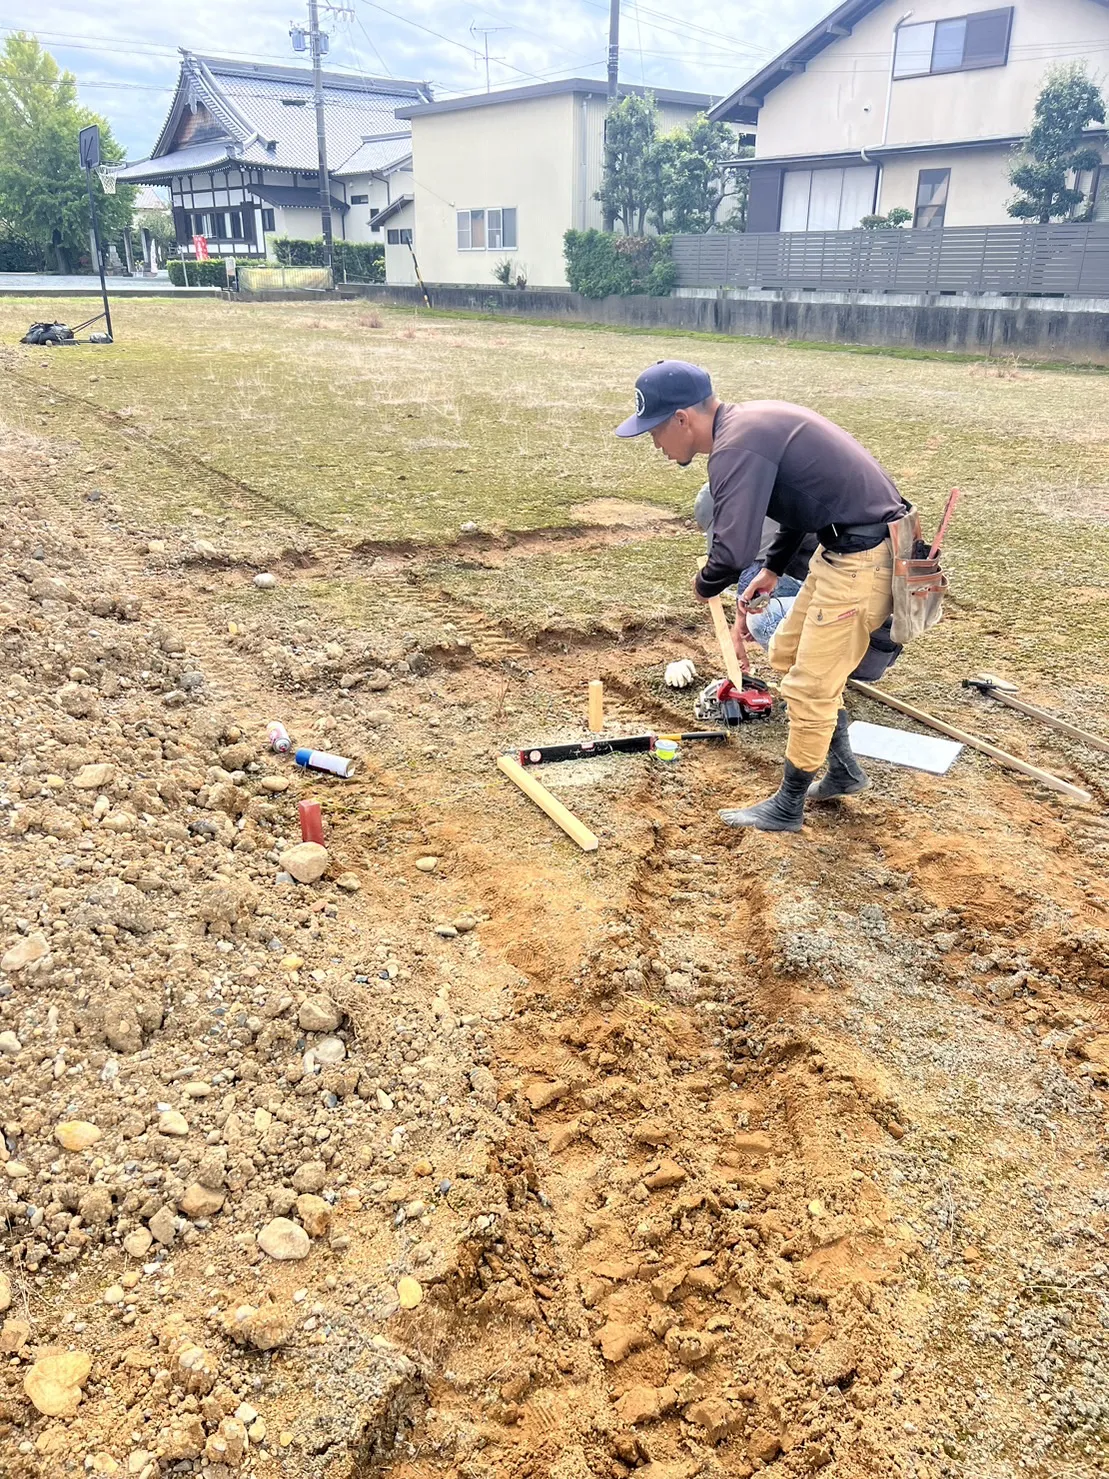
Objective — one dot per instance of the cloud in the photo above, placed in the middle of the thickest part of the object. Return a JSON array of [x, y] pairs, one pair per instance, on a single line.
[[125, 57]]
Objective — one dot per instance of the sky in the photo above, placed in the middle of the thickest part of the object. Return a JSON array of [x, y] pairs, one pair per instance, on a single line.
[[124, 55]]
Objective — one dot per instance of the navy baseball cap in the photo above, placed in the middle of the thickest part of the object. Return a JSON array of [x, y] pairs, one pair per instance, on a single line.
[[671, 385]]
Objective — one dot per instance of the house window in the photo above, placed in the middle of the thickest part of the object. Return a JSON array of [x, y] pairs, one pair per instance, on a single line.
[[401, 236], [827, 199], [359, 200], [961, 44], [1099, 196], [491, 229], [237, 225], [267, 219], [931, 198]]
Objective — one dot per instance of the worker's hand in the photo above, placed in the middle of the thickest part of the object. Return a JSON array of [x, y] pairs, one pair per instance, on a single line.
[[762, 585], [703, 599]]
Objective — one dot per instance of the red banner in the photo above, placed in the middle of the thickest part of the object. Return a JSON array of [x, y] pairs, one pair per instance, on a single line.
[[200, 248]]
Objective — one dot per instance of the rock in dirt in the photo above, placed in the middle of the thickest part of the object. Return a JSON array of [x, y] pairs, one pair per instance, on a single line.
[[162, 1226], [669, 1174], [14, 1336], [427, 865], [714, 1415], [172, 1122], [227, 1444], [541, 1094], [5, 1293], [10, 1045], [310, 1176], [617, 1340], [77, 1134], [315, 1214], [200, 1201], [409, 1292], [24, 953], [137, 1244], [54, 1383], [306, 862], [93, 777], [265, 1328], [282, 1239], [348, 882], [319, 1013]]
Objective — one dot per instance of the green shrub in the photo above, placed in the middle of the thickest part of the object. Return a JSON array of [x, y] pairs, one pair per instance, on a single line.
[[17, 254], [210, 274], [353, 261], [599, 263]]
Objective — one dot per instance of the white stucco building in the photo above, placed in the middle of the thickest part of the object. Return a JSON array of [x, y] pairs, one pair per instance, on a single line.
[[919, 105], [238, 154], [506, 174]]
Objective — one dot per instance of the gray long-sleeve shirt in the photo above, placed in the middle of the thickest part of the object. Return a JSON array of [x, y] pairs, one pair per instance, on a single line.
[[773, 458]]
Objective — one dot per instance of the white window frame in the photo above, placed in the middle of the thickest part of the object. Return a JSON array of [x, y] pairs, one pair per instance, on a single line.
[[496, 238]]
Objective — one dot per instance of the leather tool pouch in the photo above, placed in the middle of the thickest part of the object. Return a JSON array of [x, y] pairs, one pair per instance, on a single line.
[[919, 583]]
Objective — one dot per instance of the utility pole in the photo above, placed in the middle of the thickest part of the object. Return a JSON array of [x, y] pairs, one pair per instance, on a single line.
[[318, 47], [321, 132], [613, 48], [613, 84]]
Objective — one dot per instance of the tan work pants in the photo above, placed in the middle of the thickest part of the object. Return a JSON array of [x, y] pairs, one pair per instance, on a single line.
[[822, 641]]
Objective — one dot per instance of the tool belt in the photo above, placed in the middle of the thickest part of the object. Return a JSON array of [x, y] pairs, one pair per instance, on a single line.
[[844, 539], [919, 583]]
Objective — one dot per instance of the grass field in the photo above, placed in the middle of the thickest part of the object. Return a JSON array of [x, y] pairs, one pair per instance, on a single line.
[[399, 427]]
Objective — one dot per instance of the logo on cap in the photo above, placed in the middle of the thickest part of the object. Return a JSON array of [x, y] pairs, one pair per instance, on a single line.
[[640, 403]]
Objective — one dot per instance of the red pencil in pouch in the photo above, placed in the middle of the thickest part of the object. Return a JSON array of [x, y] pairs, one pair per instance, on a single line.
[[311, 822]]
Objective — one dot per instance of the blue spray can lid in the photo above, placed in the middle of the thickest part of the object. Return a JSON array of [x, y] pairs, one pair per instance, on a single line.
[[303, 756]]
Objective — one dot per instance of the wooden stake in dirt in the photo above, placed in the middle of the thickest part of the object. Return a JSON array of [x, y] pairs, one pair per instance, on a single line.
[[723, 635], [1011, 762], [596, 706], [554, 808]]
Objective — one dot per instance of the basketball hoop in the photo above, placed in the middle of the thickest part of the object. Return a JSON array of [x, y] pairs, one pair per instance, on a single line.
[[107, 177]]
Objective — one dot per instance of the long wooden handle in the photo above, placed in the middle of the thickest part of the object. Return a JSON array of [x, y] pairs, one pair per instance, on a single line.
[[941, 532], [554, 808], [1011, 762], [1035, 712]]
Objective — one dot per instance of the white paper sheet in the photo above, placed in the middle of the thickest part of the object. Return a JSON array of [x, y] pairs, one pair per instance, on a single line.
[[904, 747]]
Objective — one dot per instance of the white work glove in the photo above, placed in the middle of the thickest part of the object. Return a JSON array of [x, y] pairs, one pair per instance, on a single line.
[[680, 674]]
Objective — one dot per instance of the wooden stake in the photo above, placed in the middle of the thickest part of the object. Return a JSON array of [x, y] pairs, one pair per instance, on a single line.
[[596, 706], [1011, 762], [554, 808], [723, 635], [724, 639], [1035, 712]]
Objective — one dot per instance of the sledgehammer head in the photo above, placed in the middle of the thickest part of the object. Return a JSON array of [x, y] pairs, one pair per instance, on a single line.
[[984, 682]]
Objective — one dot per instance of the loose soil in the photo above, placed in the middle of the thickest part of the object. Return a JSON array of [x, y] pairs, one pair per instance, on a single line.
[[709, 1153]]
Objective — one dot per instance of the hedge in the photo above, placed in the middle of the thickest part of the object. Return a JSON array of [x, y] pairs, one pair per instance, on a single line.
[[17, 254], [353, 261], [210, 274], [599, 263]]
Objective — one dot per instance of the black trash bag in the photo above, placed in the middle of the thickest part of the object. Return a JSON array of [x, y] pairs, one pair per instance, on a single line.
[[54, 333]]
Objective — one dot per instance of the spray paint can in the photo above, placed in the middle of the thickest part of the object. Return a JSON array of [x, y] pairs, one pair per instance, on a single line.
[[320, 760], [278, 737], [666, 748]]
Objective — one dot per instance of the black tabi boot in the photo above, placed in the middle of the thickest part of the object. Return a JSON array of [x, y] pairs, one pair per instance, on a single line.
[[783, 811], [844, 776]]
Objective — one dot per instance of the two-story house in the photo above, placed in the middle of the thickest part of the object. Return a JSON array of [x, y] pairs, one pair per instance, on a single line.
[[917, 105], [507, 173], [238, 152]]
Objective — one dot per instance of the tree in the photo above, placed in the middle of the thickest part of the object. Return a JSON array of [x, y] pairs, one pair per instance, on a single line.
[[628, 185], [42, 186], [896, 218], [1054, 149], [691, 180], [159, 226]]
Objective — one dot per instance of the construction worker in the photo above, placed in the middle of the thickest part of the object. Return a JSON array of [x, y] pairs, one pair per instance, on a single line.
[[777, 459]]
